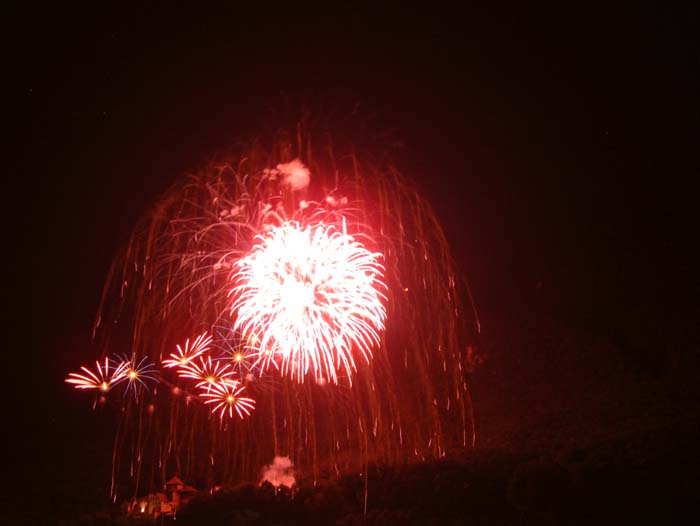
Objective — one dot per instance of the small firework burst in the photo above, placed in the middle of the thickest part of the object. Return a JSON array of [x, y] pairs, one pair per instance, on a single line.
[[240, 358], [227, 397], [207, 372], [233, 350], [186, 353], [137, 373], [102, 379], [312, 297]]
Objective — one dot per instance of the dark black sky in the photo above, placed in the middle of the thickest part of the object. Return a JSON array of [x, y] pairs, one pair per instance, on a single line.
[[558, 148]]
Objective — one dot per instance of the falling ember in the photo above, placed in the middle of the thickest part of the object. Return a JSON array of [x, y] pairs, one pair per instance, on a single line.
[[227, 397], [312, 295]]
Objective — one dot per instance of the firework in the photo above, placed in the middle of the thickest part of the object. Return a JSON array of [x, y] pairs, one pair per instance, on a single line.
[[226, 395], [241, 358], [207, 373], [101, 379], [187, 352], [136, 373], [313, 296], [325, 277], [241, 355]]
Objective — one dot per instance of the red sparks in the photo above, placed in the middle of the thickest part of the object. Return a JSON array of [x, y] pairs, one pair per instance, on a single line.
[[227, 397], [101, 379], [206, 372], [187, 353]]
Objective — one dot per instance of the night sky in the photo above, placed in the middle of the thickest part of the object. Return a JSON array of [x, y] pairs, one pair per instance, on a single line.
[[559, 149]]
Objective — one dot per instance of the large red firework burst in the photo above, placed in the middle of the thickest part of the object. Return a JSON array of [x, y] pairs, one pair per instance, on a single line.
[[329, 311], [312, 297]]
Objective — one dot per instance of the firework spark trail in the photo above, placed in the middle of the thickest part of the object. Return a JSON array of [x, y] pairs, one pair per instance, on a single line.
[[312, 295]]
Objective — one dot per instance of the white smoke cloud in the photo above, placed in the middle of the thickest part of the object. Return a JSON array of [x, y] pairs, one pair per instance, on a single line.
[[279, 473], [295, 174]]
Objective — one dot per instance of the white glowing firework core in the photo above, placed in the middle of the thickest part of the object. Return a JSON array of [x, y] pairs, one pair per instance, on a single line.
[[313, 297]]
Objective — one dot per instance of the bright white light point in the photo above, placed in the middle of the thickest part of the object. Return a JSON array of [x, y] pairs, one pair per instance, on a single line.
[[296, 298]]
